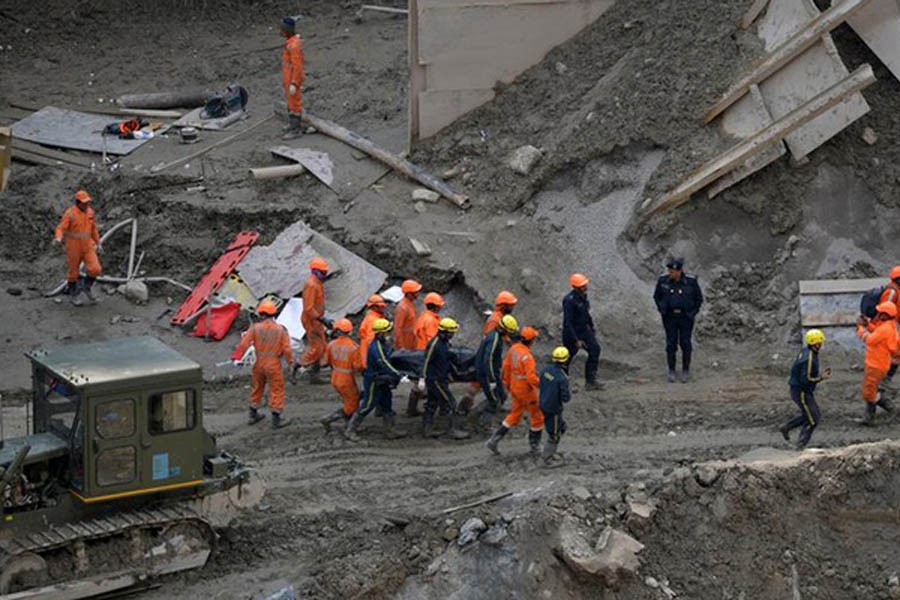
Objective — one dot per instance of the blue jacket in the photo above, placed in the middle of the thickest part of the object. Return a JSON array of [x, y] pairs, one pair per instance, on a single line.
[[577, 321], [438, 365], [554, 389], [489, 358], [378, 365], [678, 297], [805, 371]]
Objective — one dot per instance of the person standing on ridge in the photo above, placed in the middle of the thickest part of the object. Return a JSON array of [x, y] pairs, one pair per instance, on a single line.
[[678, 299], [77, 229], [805, 375], [578, 329], [292, 75]]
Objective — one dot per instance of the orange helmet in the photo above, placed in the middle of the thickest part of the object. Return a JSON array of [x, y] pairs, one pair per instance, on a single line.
[[82, 196], [507, 298], [375, 300], [895, 273], [318, 264], [343, 325], [888, 308], [410, 286], [529, 333], [578, 280], [434, 298], [267, 307]]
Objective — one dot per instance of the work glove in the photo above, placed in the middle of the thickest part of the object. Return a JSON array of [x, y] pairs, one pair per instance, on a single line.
[[421, 384], [404, 379], [99, 248], [57, 241], [292, 89]]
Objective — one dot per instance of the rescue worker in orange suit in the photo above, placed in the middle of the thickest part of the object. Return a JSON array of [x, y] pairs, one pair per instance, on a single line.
[[379, 378], [521, 379], [78, 227], [504, 304], [805, 376], [313, 319], [891, 293], [882, 349], [292, 75], [578, 328], [405, 333], [342, 355], [428, 322], [377, 310], [489, 368], [436, 371], [678, 299], [272, 344]]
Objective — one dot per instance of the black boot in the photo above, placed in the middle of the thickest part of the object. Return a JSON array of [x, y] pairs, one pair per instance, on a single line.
[[315, 375], [412, 407], [351, 433], [278, 422], [330, 418], [390, 430], [73, 293], [534, 442], [493, 443], [885, 403], [254, 417], [550, 456], [868, 415], [294, 128], [88, 285], [785, 432], [671, 376], [456, 434], [685, 376]]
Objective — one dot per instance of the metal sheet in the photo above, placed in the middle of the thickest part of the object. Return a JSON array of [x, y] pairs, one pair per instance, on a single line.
[[317, 163], [878, 24], [62, 128], [283, 267], [823, 310]]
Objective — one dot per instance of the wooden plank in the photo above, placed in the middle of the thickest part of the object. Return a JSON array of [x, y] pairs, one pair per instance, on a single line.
[[878, 24], [384, 9], [840, 286], [834, 319], [59, 155], [772, 134], [799, 42], [752, 13]]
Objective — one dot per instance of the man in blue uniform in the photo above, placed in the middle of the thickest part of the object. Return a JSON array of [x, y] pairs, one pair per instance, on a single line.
[[436, 371], [678, 299], [805, 376], [554, 393], [379, 378], [489, 367], [578, 329]]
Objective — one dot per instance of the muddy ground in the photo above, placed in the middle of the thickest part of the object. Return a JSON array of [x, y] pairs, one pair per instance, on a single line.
[[345, 520]]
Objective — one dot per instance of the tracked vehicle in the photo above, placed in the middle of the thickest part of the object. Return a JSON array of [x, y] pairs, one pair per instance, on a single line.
[[118, 482]]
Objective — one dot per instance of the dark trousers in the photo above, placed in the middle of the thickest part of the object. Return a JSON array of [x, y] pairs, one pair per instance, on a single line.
[[592, 346], [494, 395], [679, 328], [554, 426], [438, 395], [809, 416], [375, 395]]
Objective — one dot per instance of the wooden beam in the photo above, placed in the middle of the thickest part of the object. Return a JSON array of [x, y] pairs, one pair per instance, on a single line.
[[19, 145], [723, 164], [833, 319], [840, 286], [753, 13], [800, 41]]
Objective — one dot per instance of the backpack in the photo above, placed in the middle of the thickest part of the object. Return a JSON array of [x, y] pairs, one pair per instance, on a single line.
[[233, 99], [870, 300]]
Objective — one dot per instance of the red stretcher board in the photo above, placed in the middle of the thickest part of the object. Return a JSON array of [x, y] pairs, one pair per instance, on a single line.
[[215, 276]]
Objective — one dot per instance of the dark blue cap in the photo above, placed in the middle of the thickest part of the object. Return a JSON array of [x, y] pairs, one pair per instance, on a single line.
[[288, 22], [675, 263]]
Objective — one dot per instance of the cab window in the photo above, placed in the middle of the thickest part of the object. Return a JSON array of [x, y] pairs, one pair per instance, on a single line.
[[172, 411], [115, 419], [116, 466]]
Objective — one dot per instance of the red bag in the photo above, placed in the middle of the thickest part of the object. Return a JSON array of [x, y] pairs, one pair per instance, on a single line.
[[220, 319]]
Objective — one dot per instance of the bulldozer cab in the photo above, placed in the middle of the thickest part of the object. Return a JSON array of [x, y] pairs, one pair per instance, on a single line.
[[126, 413]]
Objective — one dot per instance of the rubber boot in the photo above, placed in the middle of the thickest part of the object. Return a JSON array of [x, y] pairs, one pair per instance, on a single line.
[[294, 128], [88, 289], [493, 444], [885, 403], [278, 422], [315, 375], [868, 415], [593, 385], [351, 432], [294, 371], [550, 456], [785, 432], [412, 407], [685, 376], [427, 425], [456, 434], [671, 376], [534, 442], [390, 429], [73, 293], [330, 418], [254, 416]]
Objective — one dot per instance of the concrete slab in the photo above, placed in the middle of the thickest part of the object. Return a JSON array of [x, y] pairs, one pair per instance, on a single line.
[[64, 128], [878, 24]]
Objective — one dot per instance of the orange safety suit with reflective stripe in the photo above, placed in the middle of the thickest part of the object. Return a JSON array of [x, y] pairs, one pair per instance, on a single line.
[[882, 347], [79, 228], [405, 325], [292, 72], [313, 310], [426, 328], [272, 344], [521, 379], [492, 323], [366, 335], [891, 293], [343, 357]]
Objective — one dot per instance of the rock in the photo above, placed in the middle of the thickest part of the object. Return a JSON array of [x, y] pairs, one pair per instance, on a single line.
[[115, 319], [58, 300], [869, 136], [706, 475], [419, 207], [581, 492], [894, 580], [610, 562], [421, 248], [470, 531], [523, 159], [561, 68], [494, 536], [450, 533], [135, 290], [14, 291], [423, 195], [651, 582], [452, 172], [641, 510]]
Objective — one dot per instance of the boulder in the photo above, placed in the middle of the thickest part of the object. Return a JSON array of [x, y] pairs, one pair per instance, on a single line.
[[612, 560], [423, 195], [470, 531], [136, 291], [523, 159]]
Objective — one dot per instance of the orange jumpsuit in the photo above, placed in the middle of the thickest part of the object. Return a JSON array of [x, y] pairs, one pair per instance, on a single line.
[[343, 356], [891, 293], [313, 309], [292, 72], [79, 228], [521, 379], [366, 335], [426, 328], [405, 325], [272, 343], [882, 347]]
